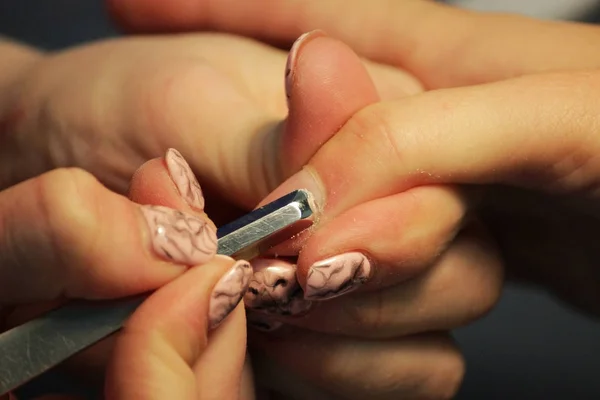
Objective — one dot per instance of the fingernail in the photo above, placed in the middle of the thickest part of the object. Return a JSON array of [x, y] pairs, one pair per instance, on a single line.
[[262, 323], [292, 60], [228, 292], [337, 275], [274, 289], [308, 179], [184, 179], [179, 237]]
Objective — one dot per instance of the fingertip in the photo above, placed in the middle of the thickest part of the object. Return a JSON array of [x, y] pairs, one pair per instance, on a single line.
[[151, 184], [326, 84], [167, 181]]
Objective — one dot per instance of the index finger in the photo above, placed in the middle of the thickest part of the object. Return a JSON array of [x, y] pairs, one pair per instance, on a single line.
[[536, 132]]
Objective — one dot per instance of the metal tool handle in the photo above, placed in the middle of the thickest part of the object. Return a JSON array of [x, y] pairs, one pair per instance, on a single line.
[[33, 348]]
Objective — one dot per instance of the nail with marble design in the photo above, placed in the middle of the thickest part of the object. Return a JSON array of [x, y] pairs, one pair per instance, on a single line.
[[337, 275], [228, 292], [179, 237], [185, 180], [274, 289]]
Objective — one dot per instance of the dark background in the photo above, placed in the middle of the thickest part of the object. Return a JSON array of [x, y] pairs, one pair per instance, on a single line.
[[529, 347]]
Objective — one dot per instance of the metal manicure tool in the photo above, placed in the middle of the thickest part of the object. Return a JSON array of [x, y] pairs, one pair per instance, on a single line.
[[33, 348]]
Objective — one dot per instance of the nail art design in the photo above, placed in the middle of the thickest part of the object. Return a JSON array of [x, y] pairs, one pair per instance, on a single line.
[[228, 292], [274, 289], [179, 237], [337, 275], [184, 179], [262, 323]]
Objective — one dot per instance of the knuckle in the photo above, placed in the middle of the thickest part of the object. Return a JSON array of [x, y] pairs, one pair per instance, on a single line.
[[68, 199], [378, 136]]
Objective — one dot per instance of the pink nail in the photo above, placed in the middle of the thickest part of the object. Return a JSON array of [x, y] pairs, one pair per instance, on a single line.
[[228, 292], [179, 237], [274, 289], [292, 60], [337, 275], [184, 179]]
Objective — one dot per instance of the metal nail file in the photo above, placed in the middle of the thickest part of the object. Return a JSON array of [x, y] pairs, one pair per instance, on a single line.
[[33, 348]]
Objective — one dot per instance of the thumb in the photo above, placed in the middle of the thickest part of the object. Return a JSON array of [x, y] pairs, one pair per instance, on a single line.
[[326, 83], [159, 347]]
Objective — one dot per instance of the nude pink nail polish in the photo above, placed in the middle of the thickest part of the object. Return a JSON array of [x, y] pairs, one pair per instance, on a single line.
[[274, 289], [228, 292], [179, 237], [337, 275], [184, 179]]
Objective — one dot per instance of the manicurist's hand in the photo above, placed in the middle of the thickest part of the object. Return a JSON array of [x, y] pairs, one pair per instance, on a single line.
[[67, 237]]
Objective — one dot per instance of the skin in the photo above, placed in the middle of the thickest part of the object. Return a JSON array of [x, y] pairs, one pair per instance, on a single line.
[[172, 338], [537, 194], [352, 89]]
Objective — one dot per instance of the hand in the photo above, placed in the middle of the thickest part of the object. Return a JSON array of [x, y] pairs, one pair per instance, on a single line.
[[384, 271], [89, 243], [110, 106], [448, 47], [530, 142], [413, 259], [312, 81]]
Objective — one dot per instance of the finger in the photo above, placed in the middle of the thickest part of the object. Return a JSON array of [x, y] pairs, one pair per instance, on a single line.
[[170, 182], [156, 352], [420, 36], [166, 181], [460, 287], [541, 139], [412, 229], [418, 367], [65, 235], [314, 69]]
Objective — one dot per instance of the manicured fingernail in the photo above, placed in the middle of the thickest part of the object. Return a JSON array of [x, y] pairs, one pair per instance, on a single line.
[[274, 289], [262, 323], [184, 179], [228, 292], [179, 237], [337, 275], [292, 60]]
